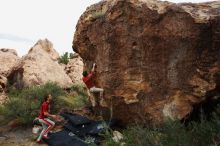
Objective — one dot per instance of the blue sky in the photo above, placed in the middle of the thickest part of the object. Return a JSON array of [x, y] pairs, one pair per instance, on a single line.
[[23, 22]]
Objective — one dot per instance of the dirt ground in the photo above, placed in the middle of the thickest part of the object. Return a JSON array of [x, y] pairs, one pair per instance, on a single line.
[[19, 137]]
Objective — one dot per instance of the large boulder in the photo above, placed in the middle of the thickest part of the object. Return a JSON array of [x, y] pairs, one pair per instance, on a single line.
[[47, 46], [155, 59], [74, 69], [37, 68], [3, 83], [8, 59]]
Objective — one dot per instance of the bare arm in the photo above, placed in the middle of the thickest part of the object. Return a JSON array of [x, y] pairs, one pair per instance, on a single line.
[[50, 115], [93, 67]]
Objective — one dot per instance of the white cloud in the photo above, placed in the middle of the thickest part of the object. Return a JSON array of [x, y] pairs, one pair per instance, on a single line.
[[14, 38], [20, 47], [38, 19]]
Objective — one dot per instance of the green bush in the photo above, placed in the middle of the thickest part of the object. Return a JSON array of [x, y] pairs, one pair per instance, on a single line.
[[98, 14], [71, 102], [109, 141], [216, 121], [141, 136], [71, 56], [207, 132], [37, 92], [79, 89], [79, 92], [135, 135], [24, 104], [64, 59], [173, 133]]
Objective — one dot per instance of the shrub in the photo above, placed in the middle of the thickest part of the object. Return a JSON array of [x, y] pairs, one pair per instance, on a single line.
[[216, 125], [79, 89], [109, 141], [71, 102], [98, 14], [202, 133], [71, 56], [141, 136], [135, 135], [79, 92], [37, 91], [173, 133], [24, 104], [207, 132], [64, 59]]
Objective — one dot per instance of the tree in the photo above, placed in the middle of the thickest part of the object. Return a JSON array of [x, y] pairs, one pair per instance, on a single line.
[[64, 59]]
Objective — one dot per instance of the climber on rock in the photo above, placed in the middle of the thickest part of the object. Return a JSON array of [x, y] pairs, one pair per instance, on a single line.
[[88, 80]]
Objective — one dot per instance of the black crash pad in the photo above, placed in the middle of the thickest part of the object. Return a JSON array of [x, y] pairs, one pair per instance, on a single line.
[[76, 119], [79, 131], [64, 138], [87, 132], [70, 127], [93, 128], [75, 129]]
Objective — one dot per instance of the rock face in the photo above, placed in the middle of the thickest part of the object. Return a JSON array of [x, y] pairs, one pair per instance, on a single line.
[[38, 67], [74, 69], [8, 59], [47, 46], [155, 59], [3, 83]]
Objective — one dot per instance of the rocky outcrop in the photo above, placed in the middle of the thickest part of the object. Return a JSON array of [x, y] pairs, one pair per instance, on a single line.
[[8, 59], [47, 46], [3, 83], [155, 59], [38, 67], [74, 69]]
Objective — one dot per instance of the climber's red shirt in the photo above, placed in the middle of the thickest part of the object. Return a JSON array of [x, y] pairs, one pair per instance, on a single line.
[[44, 108], [88, 80]]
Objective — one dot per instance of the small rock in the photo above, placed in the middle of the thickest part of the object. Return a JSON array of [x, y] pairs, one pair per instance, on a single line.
[[2, 138], [117, 136]]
